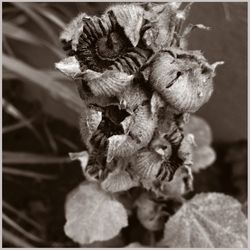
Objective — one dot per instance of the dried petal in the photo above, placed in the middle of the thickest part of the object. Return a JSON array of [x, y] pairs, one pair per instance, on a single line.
[[186, 149], [109, 83], [89, 122], [73, 30], [83, 157], [130, 18], [146, 166], [140, 133], [114, 144], [181, 183], [156, 103], [119, 180], [162, 23], [69, 66]]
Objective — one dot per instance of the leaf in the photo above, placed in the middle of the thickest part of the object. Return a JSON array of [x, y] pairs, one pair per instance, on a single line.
[[93, 215], [203, 157], [200, 129], [208, 220]]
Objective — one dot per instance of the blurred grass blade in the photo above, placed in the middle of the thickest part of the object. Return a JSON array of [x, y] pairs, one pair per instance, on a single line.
[[28, 174], [27, 8], [29, 158], [14, 127], [10, 109], [67, 142], [16, 241], [21, 215], [18, 33], [51, 16], [58, 91], [51, 139], [19, 229]]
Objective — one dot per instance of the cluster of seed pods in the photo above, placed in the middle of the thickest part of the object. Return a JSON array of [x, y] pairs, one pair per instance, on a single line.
[[138, 83]]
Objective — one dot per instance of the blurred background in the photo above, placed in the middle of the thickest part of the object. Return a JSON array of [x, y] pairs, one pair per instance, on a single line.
[[41, 111]]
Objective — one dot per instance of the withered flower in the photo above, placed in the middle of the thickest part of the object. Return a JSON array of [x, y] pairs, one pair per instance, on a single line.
[[138, 83]]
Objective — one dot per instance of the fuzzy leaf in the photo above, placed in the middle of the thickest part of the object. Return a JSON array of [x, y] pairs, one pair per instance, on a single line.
[[203, 157], [200, 129], [93, 215], [208, 220]]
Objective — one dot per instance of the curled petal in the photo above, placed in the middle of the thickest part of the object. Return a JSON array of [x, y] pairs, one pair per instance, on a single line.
[[132, 97], [69, 66], [163, 21], [109, 83], [139, 135], [156, 103], [181, 184], [73, 30], [115, 142], [89, 122], [118, 181], [130, 18], [83, 157], [147, 165], [186, 148]]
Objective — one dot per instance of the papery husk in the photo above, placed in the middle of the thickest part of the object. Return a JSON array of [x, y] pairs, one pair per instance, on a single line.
[[140, 133], [73, 31], [185, 151], [89, 122], [182, 183], [109, 83], [163, 21], [147, 165], [133, 97], [119, 180], [130, 18], [180, 80], [69, 66], [83, 157]]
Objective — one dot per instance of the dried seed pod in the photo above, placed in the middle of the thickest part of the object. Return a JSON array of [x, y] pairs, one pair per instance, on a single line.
[[108, 41], [183, 79]]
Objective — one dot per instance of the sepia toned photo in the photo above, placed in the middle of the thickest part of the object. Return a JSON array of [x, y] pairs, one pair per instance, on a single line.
[[124, 125]]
